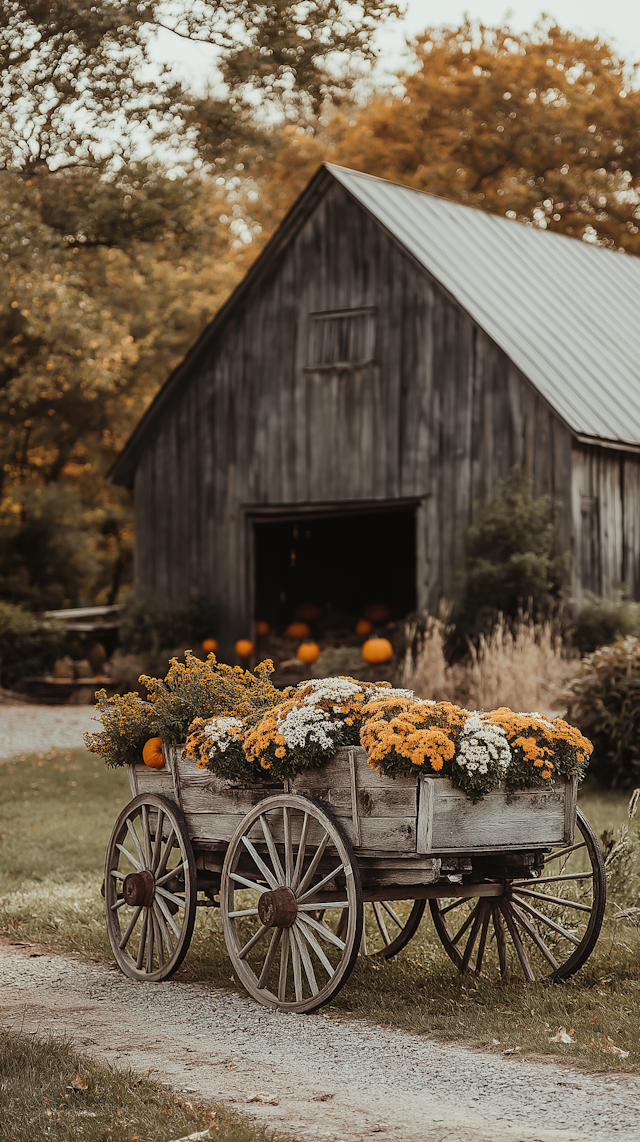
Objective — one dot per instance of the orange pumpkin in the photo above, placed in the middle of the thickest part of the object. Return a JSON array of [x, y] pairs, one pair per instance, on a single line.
[[298, 630], [152, 754], [308, 652], [262, 628], [377, 612], [244, 648], [209, 644], [363, 626], [377, 650]]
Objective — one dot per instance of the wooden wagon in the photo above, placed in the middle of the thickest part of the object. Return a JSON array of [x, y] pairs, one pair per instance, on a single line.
[[342, 860]]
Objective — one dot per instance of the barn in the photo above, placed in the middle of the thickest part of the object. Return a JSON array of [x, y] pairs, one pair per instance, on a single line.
[[387, 359]]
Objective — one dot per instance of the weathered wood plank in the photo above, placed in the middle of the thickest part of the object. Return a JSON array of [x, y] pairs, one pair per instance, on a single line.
[[523, 820]]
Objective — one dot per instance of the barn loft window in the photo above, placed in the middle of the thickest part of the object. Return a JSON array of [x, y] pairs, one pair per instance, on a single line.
[[342, 338]]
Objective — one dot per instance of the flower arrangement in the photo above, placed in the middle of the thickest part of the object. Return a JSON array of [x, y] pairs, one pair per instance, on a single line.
[[190, 691], [475, 750], [239, 726]]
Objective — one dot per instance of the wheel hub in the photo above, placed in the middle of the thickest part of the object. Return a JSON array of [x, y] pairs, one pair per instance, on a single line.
[[138, 889], [278, 909]]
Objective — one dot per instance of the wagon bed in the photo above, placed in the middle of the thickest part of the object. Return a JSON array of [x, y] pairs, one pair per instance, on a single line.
[[342, 860]]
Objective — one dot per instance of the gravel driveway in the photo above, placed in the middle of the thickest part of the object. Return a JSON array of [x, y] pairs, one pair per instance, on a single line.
[[344, 1081], [28, 729]]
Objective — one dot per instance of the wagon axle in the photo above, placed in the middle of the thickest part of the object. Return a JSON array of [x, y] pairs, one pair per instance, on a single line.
[[278, 909]]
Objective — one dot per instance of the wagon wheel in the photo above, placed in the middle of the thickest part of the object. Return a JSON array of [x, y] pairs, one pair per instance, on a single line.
[[289, 880], [150, 888], [389, 925], [544, 928]]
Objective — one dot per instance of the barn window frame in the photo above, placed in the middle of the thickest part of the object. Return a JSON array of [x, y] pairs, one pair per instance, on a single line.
[[360, 343]]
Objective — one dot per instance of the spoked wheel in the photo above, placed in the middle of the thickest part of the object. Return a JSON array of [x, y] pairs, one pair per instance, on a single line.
[[150, 888], [544, 928], [291, 904], [389, 925]]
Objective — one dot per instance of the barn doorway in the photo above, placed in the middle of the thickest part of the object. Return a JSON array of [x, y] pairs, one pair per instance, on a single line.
[[338, 561]]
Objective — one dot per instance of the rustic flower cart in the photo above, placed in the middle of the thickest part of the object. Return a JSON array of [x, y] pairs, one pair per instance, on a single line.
[[342, 860]]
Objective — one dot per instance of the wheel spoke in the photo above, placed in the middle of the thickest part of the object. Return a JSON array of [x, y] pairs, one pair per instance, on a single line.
[[243, 912], [284, 964], [320, 885], [553, 879], [248, 883], [469, 920], [134, 862], [180, 868], [553, 900], [325, 932], [288, 846], [270, 957], [300, 942], [309, 936], [471, 942], [118, 904], [320, 905], [302, 848], [138, 847], [486, 917], [130, 926], [501, 941], [149, 942], [177, 900], [253, 941], [565, 852], [549, 923], [273, 852], [158, 938], [167, 852], [377, 911], [118, 875], [536, 937], [143, 938], [517, 942], [310, 873], [158, 845], [456, 904], [168, 917], [297, 967], [271, 880], [146, 837], [163, 928], [394, 915]]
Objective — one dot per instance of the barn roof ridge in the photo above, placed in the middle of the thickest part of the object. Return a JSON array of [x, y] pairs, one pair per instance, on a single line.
[[579, 361]]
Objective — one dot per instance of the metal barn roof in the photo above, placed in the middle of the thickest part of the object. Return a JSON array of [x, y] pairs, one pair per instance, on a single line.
[[565, 312]]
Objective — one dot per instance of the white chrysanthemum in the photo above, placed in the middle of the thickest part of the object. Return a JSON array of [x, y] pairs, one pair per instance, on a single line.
[[331, 690], [222, 731], [306, 724], [482, 746], [536, 717]]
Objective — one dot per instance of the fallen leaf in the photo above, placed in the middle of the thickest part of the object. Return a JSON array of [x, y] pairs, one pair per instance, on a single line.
[[561, 1036], [267, 1099], [610, 1046], [79, 1083], [511, 1051], [322, 1097]]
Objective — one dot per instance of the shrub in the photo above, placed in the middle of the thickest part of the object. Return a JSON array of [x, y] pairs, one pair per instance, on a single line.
[[152, 623], [513, 556], [603, 701], [600, 622], [26, 646]]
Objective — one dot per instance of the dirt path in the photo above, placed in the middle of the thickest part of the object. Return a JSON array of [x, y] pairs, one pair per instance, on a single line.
[[343, 1081], [27, 729]]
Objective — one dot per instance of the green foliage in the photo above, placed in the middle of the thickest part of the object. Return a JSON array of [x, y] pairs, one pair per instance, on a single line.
[[601, 621], [604, 703], [152, 623], [513, 556], [27, 647]]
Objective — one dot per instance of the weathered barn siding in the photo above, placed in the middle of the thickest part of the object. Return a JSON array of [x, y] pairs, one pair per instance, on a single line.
[[440, 415], [606, 521]]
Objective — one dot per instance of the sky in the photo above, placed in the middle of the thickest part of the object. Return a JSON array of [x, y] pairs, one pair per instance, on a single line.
[[618, 20]]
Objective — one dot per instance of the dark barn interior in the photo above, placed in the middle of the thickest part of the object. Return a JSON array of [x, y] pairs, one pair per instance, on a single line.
[[341, 562]]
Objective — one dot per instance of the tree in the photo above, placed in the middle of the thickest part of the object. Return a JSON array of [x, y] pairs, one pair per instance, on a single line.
[[541, 126]]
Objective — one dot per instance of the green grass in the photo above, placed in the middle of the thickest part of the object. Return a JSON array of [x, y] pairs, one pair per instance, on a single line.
[[53, 837], [49, 1090]]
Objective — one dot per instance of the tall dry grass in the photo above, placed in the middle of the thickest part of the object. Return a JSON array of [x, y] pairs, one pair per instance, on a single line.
[[524, 667]]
